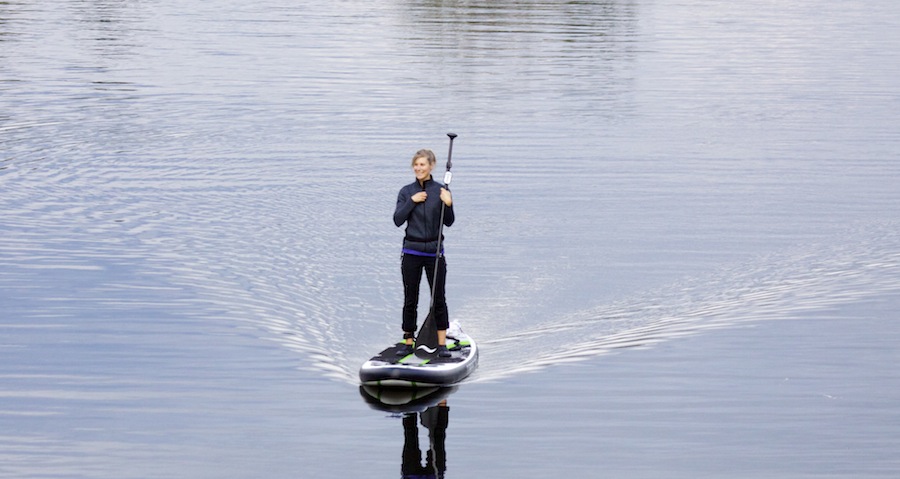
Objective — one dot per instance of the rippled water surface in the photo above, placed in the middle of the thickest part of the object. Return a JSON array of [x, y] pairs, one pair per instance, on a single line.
[[198, 254]]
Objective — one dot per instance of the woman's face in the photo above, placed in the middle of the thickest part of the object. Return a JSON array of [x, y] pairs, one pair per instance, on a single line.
[[422, 168]]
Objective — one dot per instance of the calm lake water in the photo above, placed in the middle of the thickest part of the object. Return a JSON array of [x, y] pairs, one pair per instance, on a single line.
[[197, 252]]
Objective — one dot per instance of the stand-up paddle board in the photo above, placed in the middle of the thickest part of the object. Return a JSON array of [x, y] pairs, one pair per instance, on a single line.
[[423, 368]]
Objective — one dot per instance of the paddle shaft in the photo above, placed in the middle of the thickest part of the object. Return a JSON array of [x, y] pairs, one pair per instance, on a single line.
[[437, 258]]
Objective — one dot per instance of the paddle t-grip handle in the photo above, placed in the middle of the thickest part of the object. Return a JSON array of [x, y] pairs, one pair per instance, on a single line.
[[449, 176]]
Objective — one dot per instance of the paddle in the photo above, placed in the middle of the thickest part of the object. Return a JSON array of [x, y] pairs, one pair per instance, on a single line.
[[427, 335]]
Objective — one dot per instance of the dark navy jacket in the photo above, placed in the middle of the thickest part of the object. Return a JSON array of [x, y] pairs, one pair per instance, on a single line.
[[422, 219]]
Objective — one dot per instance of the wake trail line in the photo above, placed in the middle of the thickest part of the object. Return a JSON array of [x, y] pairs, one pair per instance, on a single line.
[[774, 287]]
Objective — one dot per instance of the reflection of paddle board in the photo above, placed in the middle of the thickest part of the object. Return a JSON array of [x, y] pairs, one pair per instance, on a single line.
[[404, 400], [423, 368]]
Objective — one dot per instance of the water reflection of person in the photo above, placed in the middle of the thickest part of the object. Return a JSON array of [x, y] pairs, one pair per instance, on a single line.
[[435, 419]]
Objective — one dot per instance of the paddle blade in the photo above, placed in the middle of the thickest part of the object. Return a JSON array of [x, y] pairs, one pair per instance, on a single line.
[[427, 339]]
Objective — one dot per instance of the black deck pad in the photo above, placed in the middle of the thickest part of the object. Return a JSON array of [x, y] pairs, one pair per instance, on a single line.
[[389, 355]]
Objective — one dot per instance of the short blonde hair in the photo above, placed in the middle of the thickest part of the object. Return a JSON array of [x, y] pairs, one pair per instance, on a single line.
[[424, 153]]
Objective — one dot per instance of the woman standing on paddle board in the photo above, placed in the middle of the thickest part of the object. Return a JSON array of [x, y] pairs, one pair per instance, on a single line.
[[419, 206]]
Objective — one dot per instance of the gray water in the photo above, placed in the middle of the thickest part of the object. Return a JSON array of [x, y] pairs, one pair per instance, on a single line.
[[197, 250]]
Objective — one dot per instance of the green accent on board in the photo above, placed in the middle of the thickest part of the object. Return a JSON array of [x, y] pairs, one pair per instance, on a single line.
[[414, 360]]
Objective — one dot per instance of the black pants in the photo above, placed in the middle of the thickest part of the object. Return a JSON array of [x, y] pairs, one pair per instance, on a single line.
[[412, 267]]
